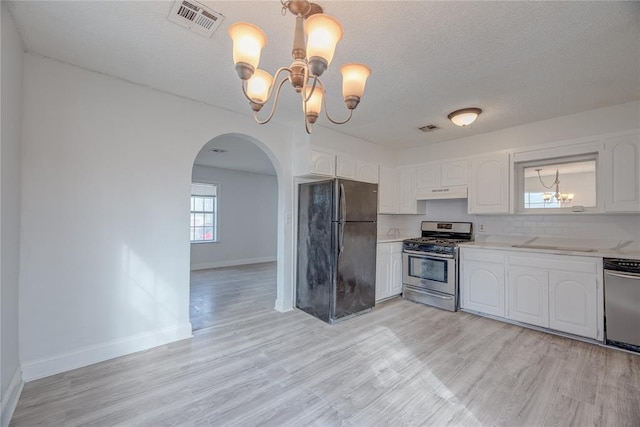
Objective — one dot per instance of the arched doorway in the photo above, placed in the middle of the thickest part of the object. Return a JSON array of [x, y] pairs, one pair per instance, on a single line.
[[233, 230]]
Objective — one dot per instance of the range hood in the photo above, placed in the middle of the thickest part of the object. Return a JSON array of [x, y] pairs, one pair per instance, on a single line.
[[458, 192]]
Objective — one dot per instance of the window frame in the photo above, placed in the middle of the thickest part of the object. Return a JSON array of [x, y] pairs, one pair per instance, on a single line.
[[214, 211], [519, 167]]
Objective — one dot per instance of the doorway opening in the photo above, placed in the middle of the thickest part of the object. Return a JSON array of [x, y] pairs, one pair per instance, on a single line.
[[233, 231]]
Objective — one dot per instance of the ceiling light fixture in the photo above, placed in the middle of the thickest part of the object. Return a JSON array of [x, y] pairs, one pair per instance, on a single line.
[[309, 62], [560, 197], [464, 117]]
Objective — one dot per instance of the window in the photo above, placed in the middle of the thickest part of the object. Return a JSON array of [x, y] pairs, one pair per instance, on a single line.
[[204, 208], [562, 184]]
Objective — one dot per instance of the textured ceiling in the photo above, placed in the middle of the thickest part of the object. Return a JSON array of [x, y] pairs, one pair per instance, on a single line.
[[240, 154], [520, 62]]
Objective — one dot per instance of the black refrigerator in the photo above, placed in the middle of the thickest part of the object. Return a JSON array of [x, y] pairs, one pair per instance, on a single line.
[[337, 236]]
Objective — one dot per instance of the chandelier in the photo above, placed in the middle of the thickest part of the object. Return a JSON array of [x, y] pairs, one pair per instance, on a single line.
[[561, 198], [310, 60]]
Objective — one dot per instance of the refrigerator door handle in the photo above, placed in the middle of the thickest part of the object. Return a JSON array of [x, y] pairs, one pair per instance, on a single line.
[[341, 239], [343, 203]]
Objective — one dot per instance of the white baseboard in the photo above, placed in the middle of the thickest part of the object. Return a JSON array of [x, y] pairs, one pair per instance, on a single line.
[[10, 397], [283, 306], [231, 263], [36, 369]]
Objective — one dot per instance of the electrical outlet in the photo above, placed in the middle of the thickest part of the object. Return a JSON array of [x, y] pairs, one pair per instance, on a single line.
[[481, 228]]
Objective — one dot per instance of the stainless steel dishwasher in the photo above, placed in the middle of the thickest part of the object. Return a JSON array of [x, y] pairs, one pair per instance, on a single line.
[[622, 302]]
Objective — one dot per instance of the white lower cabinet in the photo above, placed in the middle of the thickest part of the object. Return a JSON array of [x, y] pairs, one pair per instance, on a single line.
[[559, 292], [388, 270], [482, 281], [573, 302], [528, 296]]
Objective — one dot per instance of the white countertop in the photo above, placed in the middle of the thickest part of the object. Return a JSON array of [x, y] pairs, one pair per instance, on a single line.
[[581, 247]]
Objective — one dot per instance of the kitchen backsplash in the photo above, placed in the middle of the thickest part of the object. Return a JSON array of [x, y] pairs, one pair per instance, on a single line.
[[609, 227]]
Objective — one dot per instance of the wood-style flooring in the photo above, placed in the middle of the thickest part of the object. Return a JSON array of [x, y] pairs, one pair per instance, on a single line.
[[401, 364]]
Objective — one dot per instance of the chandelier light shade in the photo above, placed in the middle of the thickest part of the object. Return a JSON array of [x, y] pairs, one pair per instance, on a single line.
[[248, 41], [464, 117], [354, 77], [258, 86], [313, 106], [323, 34], [315, 38]]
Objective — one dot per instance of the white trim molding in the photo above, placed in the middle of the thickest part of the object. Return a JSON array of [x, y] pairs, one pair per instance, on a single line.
[[36, 369], [231, 263], [10, 397]]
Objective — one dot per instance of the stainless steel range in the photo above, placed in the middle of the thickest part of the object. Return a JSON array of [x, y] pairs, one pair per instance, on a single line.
[[430, 263]]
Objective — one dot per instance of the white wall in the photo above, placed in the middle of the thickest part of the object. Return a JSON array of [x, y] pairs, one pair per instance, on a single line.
[[594, 122], [608, 227], [247, 219], [106, 173], [11, 89]]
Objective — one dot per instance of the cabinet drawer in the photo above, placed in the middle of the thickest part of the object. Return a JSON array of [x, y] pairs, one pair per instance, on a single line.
[[482, 255], [566, 263]]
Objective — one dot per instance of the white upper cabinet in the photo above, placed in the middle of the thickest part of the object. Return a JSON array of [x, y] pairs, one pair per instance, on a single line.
[[407, 202], [622, 173], [366, 172], [429, 175], [313, 162], [489, 184], [442, 180], [455, 172], [388, 199], [345, 167]]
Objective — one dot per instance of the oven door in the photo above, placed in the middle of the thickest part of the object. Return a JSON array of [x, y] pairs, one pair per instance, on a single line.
[[429, 271]]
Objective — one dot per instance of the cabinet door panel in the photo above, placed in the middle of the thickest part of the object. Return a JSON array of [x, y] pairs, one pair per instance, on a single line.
[[428, 176], [573, 303], [489, 184], [528, 296], [345, 167], [455, 173], [396, 273], [367, 172], [408, 203], [383, 272], [622, 156], [483, 287], [323, 163], [388, 191]]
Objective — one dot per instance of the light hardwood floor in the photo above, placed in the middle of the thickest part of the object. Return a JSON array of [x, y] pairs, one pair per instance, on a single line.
[[401, 364]]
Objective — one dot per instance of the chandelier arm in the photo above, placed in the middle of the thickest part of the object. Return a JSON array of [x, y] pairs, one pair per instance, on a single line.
[[275, 78], [275, 105], [542, 182], [313, 87]]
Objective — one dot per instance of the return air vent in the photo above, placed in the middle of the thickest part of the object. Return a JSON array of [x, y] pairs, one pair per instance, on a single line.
[[195, 16], [428, 128]]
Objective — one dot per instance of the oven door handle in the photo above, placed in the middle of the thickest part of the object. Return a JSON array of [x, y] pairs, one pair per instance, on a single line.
[[427, 254]]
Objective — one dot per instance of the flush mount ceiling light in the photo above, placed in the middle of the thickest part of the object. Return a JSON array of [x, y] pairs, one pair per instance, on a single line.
[[464, 117], [309, 62]]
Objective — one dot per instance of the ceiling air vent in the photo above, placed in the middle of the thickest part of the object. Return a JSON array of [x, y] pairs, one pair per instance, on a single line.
[[195, 16], [428, 128]]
